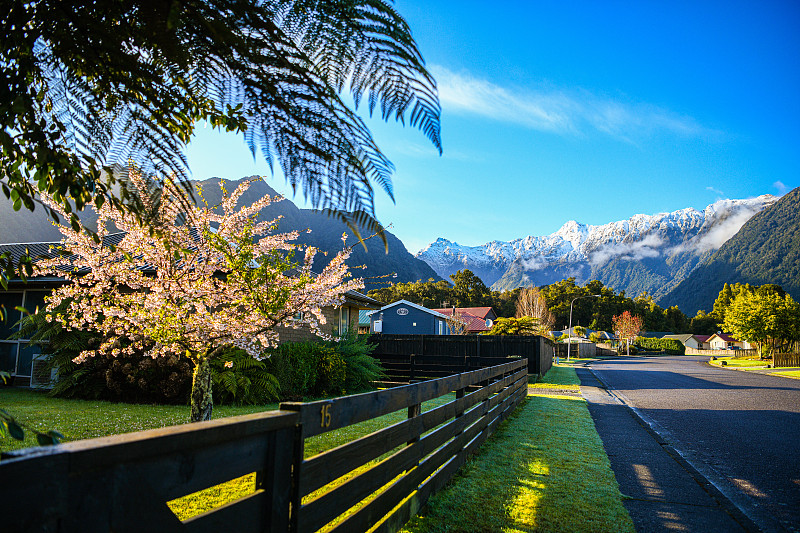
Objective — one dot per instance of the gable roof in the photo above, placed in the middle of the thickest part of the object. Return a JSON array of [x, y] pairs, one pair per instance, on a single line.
[[683, 337], [480, 312], [724, 336], [406, 303], [474, 323], [702, 338]]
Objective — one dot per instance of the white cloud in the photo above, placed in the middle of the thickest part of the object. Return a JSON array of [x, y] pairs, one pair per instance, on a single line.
[[576, 112], [781, 187], [627, 251], [718, 235], [534, 263], [715, 191]]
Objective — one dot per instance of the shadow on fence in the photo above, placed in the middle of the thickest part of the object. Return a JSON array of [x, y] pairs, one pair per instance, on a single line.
[[122, 483]]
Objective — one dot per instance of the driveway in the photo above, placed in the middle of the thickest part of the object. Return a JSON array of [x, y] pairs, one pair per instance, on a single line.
[[740, 430]]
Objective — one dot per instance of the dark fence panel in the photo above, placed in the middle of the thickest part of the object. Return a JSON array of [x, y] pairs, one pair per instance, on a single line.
[[418, 446], [410, 358], [123, 483]]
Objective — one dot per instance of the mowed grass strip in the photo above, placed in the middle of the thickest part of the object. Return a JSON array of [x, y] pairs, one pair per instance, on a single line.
[[739, 362], [558, 377], [543, 470]]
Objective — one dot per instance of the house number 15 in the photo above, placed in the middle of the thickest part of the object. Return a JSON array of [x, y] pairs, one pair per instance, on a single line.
[[325, 416]]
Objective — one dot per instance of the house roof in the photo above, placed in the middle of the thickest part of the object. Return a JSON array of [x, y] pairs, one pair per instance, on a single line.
[[683, 337], [406, 303], [480, 312], [362, 300], [724, 336], [474, 323], [702, 338]]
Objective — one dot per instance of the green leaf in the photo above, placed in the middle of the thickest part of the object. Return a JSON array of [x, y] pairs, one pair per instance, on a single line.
[[50, 438], [15, 430]]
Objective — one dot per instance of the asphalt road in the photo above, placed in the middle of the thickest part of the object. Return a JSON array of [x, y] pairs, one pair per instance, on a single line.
[[740, 430]]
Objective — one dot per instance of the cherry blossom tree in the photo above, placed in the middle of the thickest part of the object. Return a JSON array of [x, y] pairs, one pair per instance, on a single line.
[[193, 282], [627, 326]]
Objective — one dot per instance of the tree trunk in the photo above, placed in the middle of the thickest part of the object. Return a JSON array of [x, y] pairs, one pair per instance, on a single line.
[[202, 401]]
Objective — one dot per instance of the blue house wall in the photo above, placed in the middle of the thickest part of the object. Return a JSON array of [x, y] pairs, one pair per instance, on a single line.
[[406, 320]]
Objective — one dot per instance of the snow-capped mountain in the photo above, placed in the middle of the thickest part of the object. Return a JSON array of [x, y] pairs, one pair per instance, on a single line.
[[643, 253]]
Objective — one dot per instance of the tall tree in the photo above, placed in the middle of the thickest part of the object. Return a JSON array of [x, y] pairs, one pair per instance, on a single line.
[[469, 290], [215, 285], [531, 302], [90, 86], [764, 318]]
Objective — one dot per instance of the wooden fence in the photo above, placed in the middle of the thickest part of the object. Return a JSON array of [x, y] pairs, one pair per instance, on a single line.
[[122, 483], [733, 353], [785, 360], [410, 358]]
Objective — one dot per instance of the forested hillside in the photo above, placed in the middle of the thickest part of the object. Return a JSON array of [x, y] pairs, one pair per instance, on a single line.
[[766, 250]]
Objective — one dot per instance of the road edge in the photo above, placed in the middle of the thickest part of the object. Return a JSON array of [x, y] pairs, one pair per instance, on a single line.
[[739, 506]]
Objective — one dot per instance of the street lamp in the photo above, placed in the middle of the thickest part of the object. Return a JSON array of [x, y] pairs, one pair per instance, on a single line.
[[569, 342]]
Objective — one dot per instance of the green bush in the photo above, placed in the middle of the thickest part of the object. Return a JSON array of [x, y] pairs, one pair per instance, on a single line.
[[622, 349], [361, 368], [316, 368], [242, 380], [134, 378], [670, 346]]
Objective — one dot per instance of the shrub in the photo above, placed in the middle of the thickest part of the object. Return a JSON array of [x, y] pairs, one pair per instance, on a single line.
[[670, 346], [130, 378], [317, 368], [240, 379], [361, 368]]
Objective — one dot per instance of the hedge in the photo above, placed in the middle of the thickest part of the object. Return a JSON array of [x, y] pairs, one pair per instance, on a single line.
[[670, 346]]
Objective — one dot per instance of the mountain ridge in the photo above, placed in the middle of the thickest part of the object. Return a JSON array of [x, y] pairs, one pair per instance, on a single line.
[[24, 226], [650, 253]]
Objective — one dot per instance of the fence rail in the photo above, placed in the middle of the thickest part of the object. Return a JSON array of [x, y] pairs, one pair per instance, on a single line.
[[122, 483]]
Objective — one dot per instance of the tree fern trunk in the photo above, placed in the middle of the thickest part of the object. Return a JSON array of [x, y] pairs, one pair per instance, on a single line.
[[202, 401]]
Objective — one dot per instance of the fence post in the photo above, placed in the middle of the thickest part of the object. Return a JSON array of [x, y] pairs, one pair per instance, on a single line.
[[414, 411], [411, 368], [280, 479]]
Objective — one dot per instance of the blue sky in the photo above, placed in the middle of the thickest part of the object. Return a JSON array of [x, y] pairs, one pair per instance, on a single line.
[[587, 111]]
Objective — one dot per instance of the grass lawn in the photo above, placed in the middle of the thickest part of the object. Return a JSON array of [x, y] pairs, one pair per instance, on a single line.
[[543, 470], [560, 376], [787, 374], [739, 362]]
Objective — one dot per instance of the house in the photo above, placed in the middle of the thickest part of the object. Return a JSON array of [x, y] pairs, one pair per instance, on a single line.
[[702, 341], [687, 339], [723, 341], [477, 319], [404, 318], [19, 358]]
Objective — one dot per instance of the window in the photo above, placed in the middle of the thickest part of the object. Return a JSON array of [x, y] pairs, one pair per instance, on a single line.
[[16, 355], [344, 322]]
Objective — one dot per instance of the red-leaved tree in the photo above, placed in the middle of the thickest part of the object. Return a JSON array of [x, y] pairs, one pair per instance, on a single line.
[[626, 327]]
